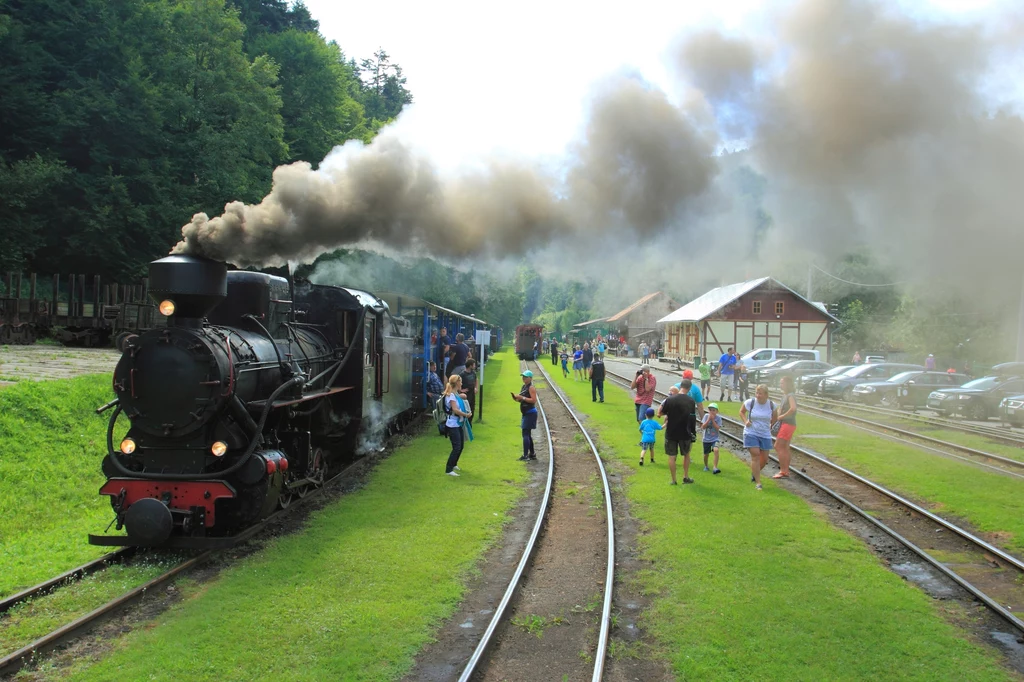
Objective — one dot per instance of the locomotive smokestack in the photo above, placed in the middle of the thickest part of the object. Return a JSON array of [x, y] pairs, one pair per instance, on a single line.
[[187, 287]]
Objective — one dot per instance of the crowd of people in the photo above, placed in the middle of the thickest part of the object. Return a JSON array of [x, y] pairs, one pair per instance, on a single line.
[[451, 385]]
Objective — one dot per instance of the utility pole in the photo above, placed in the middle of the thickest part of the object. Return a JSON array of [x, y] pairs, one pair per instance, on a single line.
[[1020, 325], [810, 276]]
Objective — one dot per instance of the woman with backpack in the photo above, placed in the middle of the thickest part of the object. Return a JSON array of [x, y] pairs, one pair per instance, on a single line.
[[456, 409], [758, 415]]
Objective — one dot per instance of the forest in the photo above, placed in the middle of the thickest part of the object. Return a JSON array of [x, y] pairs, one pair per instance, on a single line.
[[120, 119]]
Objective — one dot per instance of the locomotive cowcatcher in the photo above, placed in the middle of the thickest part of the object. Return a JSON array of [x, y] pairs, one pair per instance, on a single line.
[[254, 391]]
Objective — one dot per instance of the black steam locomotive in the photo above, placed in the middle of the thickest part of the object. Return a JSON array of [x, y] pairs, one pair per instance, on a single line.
[[255, 389]]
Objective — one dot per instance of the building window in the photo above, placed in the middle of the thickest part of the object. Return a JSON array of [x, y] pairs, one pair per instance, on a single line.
[[780, 307], [757, 307]]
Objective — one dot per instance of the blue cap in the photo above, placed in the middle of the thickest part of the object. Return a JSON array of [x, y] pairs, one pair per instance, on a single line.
[[650, 411], [528, 373]]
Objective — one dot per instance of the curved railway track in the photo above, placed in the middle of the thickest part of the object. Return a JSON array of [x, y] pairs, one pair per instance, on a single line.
[[914, 527], [1002, 464], [15, 661], [475, 667]]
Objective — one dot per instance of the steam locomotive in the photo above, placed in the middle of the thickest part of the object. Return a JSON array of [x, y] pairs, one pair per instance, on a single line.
[[254, 391]]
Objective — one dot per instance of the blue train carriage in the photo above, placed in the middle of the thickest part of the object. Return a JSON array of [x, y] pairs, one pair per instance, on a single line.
[[425, 321]]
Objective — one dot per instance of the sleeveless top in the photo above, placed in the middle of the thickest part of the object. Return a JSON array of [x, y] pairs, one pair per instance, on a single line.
[[791, 419], [760, 417], [526, 408]]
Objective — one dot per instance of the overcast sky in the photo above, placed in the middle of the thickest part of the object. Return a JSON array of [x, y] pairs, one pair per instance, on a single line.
[[515, 76]]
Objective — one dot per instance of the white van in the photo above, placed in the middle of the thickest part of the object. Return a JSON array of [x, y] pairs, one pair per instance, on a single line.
[[762, 356]]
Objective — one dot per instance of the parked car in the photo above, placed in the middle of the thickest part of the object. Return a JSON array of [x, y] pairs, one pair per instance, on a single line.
[[841, 385], [978, 399], [753, 375], [808, 383], [1011, 410], [759, 357], [906, 389], [772, 375], [1008, 369]]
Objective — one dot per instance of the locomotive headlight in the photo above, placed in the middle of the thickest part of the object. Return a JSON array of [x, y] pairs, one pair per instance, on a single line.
[[127, 446], [166, 308], [219, 448]]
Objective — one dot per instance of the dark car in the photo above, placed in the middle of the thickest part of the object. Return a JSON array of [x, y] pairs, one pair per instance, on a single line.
[[1011, 410], [808, 383], [754, 375], [906, 389], [978, 399], [795, 368], [841, 385]]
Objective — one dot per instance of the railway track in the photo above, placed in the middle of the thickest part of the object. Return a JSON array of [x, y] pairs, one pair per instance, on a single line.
[[990, 574], [15, 661], [988, 460], [477, 666]]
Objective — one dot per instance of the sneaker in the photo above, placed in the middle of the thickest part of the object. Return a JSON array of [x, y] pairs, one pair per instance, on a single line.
[[751, 478], [457, 467], [452, 473], [758, 487], [717, 471], [641, 462], [687, 480], [524, 458], [673, 483], [706, 469], [532, 458]]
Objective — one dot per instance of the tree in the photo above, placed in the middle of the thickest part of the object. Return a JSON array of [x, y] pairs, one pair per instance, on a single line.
[[384, 93]]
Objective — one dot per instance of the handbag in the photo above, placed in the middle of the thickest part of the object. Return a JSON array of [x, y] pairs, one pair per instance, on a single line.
[[776, 427]]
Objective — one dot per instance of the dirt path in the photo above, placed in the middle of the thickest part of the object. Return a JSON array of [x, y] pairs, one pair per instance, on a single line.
[[44, 362]]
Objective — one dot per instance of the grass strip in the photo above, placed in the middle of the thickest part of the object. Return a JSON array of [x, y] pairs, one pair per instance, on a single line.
[[988, 500], [758, 585], [363, 587], [51, 446]]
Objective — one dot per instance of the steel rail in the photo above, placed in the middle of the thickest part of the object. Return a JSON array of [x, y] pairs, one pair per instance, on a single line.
[[978, 542], [85, 569], [499, 612], [602, 641]]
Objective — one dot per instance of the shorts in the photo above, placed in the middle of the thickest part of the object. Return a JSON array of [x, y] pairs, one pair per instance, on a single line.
[[674, 446], [586, 365], [786, 431], [709, 446], [647, 446], [752, 441], [577, 364], [529, 420], [727, 381]]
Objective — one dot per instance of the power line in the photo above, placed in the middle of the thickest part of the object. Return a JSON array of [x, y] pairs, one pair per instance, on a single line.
[[856, 284]]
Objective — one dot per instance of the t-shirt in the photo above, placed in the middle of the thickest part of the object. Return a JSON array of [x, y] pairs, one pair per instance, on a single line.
[[451, 401], [601, 348], [461, 354], [648, 429], [695, 392], [725, 363], [705, 372], [682, 418], [577, 356], [469, 380], [760, 417], [645, 388], [564, 356], [597, 371], [712, 428], [441, 343], [789, 419], [588, 356]]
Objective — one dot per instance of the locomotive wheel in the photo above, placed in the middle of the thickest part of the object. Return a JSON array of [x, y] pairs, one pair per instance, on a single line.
[[285, 500]]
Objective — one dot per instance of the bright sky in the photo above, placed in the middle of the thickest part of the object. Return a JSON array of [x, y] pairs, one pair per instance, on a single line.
[[516, 75]]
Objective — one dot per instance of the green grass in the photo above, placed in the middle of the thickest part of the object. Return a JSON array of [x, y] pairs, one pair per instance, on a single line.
[[988, 500], [51, 446], [757, 585], [362, 588]]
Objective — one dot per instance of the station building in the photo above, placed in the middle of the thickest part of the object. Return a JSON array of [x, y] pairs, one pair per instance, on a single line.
[[760, 313]]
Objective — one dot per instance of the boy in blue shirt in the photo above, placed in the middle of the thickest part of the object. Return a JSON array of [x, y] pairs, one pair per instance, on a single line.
[[712, 425], [648, 428]]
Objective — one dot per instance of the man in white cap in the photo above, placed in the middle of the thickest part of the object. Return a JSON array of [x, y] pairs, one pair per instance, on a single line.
[[929, 362]]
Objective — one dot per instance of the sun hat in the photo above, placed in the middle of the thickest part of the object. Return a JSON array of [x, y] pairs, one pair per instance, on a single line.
[[688, 374], [650, 411], [713, 406], [527, 373]]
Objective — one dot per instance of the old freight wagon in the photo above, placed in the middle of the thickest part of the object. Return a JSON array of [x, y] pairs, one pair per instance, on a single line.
[[760, 313]]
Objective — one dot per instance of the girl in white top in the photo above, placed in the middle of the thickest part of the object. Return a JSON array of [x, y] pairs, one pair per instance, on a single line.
[[453, 407], [758, 416]]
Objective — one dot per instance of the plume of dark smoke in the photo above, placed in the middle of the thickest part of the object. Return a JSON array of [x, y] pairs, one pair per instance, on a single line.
[[640, 163]]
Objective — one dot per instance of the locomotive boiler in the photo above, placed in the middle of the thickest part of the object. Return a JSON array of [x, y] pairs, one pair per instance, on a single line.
[[252, 393]]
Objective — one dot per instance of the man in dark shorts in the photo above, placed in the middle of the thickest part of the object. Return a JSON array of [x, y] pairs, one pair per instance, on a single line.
[[680, 412]]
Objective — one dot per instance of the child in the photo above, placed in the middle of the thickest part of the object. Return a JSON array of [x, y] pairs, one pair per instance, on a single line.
[[705, 377], [712, 425], [648, 429], [742, 382], [564, 356]]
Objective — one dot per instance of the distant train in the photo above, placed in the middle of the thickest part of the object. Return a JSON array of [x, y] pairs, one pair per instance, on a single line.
[[528, 340], [254, 391]]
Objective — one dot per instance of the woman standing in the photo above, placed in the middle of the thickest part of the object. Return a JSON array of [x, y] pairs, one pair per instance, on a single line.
[[527, 400], [758, 417], [577, 364], [787, 416], [644, 384], [454, 408]]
